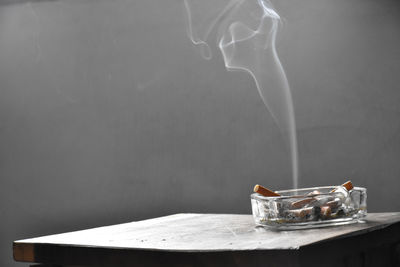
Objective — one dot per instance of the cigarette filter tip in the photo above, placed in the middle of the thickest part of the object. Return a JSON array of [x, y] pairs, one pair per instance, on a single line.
[[348, 185], [265, 191]]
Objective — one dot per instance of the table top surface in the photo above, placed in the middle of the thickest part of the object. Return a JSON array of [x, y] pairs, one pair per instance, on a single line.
[[204, 233]]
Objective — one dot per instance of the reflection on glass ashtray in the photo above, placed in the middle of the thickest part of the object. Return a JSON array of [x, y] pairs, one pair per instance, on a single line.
[[310, 207]]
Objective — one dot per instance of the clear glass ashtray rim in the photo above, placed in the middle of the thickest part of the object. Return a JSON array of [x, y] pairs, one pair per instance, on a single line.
[[303, 193], [309, 189]]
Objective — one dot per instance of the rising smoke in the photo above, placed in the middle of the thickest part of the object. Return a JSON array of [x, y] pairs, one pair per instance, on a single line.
[[245, 31]]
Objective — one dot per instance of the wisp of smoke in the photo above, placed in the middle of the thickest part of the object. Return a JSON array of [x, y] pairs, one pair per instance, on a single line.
[[245, 31]]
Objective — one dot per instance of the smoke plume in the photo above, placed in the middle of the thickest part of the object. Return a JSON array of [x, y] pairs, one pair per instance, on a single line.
[[245, 32]]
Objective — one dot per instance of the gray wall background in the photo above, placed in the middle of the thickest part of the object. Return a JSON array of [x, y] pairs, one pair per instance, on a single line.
[[108, 114]]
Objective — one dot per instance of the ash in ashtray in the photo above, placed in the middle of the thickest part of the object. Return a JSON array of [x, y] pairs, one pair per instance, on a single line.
[[311, 206]]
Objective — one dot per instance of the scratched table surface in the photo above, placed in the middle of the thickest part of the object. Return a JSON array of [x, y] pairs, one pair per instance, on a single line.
[[212, 240]]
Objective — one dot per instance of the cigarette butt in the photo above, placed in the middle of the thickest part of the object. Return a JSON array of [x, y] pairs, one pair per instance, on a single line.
[[315, 192], [348, 185], [301, 213], [332, 204], [301, 203], [325, 211], [265, 191]]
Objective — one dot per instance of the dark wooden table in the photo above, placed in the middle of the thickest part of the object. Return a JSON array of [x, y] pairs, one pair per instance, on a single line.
[[218, 240]]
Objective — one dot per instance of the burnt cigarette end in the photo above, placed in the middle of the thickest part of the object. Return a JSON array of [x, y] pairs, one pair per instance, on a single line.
[[313, 193], [325, 211], [305, 212], [333, 204]]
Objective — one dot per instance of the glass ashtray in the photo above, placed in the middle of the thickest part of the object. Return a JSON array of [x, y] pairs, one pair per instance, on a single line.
[[310, 207]]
